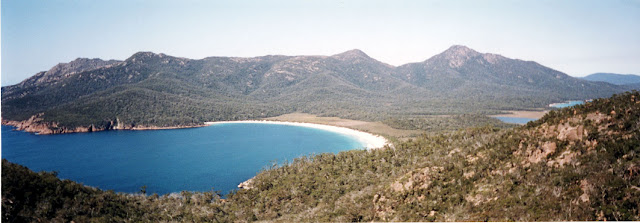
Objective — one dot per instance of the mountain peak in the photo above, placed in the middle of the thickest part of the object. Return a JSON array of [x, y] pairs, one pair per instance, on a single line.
[[460, 50], [352, 54], [145, 56], [457, 55]]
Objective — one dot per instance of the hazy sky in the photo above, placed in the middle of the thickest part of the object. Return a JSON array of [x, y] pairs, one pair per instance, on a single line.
[[575, 37]]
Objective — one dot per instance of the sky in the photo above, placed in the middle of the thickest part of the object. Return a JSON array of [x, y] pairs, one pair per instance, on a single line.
[[576, 37]]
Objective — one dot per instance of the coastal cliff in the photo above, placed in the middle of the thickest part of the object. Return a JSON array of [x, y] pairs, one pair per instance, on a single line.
[[36, 124]]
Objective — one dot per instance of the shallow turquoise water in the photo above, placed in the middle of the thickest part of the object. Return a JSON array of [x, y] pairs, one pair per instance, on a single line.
[[567, 104], [515, 120], [196, 159]]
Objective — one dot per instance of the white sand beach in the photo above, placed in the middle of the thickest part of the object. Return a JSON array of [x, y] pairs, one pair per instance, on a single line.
[[371, 141], [523, 114]]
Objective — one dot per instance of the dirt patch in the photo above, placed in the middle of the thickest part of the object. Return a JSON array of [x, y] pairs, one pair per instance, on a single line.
[[523, 114]]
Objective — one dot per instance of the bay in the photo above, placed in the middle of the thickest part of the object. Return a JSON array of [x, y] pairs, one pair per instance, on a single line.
[[166, 161]]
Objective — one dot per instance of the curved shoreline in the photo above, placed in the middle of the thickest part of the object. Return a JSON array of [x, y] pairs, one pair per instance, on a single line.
[[370, 141]]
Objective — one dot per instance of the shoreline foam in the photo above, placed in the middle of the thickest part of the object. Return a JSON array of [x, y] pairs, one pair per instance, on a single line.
[[370, 141]]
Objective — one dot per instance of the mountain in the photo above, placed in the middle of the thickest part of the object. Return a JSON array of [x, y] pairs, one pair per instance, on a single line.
[[574, 164], [149, 90], [463, 72], [618, 79], [54, 75]]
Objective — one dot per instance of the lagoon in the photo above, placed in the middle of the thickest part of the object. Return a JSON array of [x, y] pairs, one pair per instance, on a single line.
[[166, 161], [515, 120], [566, 104]]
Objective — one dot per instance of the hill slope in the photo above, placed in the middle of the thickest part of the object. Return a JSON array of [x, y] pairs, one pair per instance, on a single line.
[[579, 163], [465, 73], [151, 90], [618, 79]]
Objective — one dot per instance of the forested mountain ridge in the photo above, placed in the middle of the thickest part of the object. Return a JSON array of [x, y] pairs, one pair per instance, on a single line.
[[464, 72], [55, 74], [150, 90], [574, 164], [618, 79]]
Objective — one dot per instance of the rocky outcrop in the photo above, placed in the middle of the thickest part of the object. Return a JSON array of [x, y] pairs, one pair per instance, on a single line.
[[36, 124], [248, 184], [53, 76], [571, 132]]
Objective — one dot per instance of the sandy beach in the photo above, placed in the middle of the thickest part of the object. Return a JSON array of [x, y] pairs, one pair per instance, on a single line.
[[369, 140]]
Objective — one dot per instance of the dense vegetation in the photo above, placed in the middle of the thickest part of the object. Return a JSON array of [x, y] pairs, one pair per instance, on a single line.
[[151, 89], [579, 163], [443, 122]]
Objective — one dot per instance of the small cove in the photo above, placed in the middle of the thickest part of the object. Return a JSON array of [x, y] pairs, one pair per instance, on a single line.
[[166, 161]]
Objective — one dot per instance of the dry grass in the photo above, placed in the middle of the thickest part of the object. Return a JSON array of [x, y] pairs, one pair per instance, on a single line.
[[523, 114], [378, 128]]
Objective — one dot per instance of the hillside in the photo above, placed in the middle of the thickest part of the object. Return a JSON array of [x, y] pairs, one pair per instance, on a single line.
[[150, 90], [618, 79], [464, 73], [579, 163]]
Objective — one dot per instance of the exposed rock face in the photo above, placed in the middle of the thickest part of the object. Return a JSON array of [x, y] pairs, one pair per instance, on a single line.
[[571, 131], [536, 155], [66, 69], [54, 75], [248, 184], [457, 55], [352, 55], [36, 124], [568, 132]]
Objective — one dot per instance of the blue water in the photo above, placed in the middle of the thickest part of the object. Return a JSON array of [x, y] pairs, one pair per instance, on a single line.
[[515, 120], [567, 104], [196, 159]]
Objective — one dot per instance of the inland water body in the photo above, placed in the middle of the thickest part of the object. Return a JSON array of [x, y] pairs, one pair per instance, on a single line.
[[515, 120], [566, 104]]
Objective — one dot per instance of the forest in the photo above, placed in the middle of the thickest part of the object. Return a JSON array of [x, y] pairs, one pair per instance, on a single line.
[[577, 163], [158, 90]]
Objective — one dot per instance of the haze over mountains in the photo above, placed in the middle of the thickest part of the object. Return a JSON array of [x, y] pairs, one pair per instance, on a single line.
[[157, 90], [618, 79]]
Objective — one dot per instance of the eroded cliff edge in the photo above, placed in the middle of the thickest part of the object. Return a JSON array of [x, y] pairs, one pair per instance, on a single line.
[[36, 124]]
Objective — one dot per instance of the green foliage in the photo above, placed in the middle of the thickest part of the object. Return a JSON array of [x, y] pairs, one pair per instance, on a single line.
[[439, 123], [158, 90], [476, 174]]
